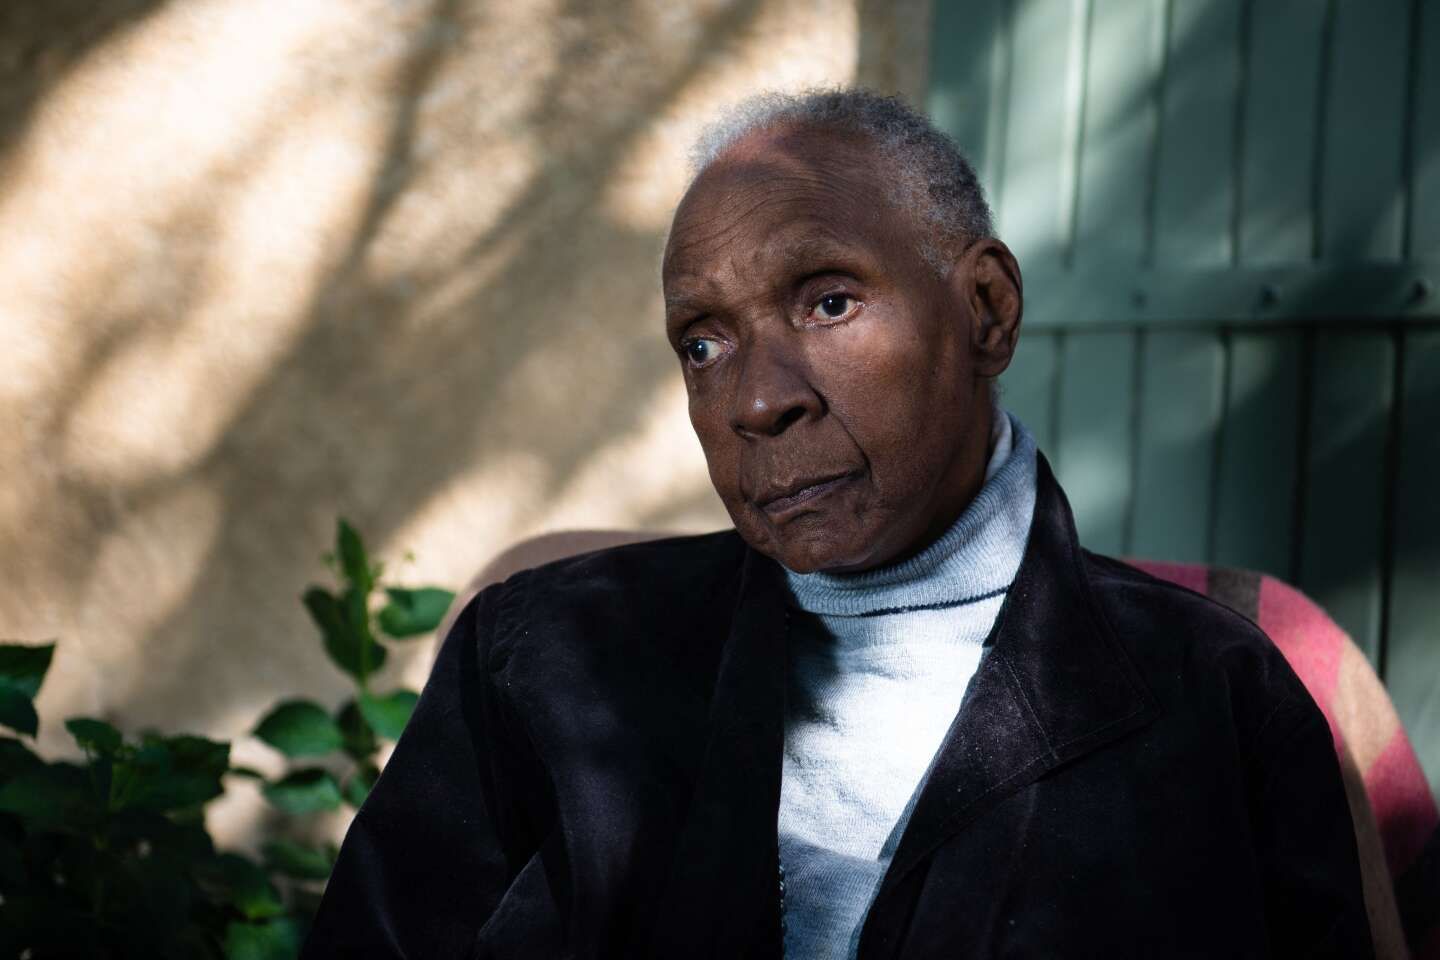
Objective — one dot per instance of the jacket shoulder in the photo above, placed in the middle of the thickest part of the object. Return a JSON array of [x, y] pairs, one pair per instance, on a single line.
[[647, 592], [1190, 647], [1133, 596], [641, 567]]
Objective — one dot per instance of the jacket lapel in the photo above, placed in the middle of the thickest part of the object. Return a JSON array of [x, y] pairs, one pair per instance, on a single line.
[[722, 895], [1053, 685]]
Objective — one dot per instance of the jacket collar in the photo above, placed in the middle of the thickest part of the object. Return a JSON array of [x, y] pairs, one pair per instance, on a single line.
[[1054, 685]]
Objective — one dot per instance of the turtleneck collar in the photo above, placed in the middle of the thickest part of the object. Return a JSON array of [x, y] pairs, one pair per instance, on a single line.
[[977, 556]]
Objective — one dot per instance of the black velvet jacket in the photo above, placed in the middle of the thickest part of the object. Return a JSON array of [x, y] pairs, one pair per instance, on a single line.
[[593, 770]]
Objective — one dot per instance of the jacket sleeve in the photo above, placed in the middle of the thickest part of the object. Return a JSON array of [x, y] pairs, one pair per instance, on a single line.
[[1310, 868], [432, 849]]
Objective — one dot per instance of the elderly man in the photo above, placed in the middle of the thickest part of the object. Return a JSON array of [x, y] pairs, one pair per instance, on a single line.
[[897, 711]]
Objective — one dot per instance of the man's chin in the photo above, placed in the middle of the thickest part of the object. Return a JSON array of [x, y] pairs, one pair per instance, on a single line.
[[810, 553]]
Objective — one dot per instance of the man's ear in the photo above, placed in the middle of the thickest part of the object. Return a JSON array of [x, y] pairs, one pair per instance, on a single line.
[[988, 278]]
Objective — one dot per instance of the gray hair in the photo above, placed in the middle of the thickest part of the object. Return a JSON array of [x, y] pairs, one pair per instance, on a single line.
[[929, 174]]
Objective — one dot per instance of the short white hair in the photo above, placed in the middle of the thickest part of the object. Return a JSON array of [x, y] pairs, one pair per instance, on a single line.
[[928, 173]]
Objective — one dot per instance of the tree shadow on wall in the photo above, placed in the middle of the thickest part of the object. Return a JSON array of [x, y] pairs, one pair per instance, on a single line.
[[41, 41], [373, 417]]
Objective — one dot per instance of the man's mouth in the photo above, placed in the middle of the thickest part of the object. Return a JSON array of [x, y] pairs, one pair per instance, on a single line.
[[780, 500]]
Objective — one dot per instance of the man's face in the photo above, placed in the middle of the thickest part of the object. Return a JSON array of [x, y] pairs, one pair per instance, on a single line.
[[830, 372]]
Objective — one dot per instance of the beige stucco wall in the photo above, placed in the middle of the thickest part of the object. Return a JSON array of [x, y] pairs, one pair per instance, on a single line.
[[263, 263]]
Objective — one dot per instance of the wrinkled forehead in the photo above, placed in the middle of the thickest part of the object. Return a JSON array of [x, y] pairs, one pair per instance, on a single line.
[[772, 196]]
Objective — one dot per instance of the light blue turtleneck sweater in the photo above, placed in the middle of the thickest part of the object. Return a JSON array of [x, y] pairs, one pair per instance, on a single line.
[[877, 665]]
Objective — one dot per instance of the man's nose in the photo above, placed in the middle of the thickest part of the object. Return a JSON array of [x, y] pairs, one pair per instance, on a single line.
[[773, 393]]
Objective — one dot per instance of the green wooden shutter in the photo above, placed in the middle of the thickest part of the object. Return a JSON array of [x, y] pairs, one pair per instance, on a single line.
[[1227, 213]]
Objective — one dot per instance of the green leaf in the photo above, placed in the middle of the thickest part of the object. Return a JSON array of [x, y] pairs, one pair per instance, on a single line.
[[297, 860], [324, 609], [354, 564], [347, 636], [388, 714], [23, 667], [95, 736], [17, 711], [411, 613], [354, 607], [277, 939], [236, 880], [52, 796], [309, 790], [169, 773], [359, 784], [300, 728], [196, 753], [360, 740]]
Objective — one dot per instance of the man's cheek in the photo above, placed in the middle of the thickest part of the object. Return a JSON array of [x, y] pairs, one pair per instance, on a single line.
[[724, 470], [712, 434]]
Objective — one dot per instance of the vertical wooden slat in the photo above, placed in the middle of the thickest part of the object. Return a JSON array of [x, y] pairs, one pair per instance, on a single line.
[[1362, 173], [1028, 387], [1194, 187], [1182, 380], [1037, 184], [966, 96], [1093, 434], [1254, 508], [1424, 213], [1413, 646], [1117, 141], [1340, 562], [1198, 133], [1279, 133]]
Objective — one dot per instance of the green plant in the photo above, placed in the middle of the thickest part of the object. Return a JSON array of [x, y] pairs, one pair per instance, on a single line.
[[110, 858], [350, 620]]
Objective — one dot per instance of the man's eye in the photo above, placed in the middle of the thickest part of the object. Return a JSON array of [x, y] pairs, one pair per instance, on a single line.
[[700, 351], [835, 306]]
